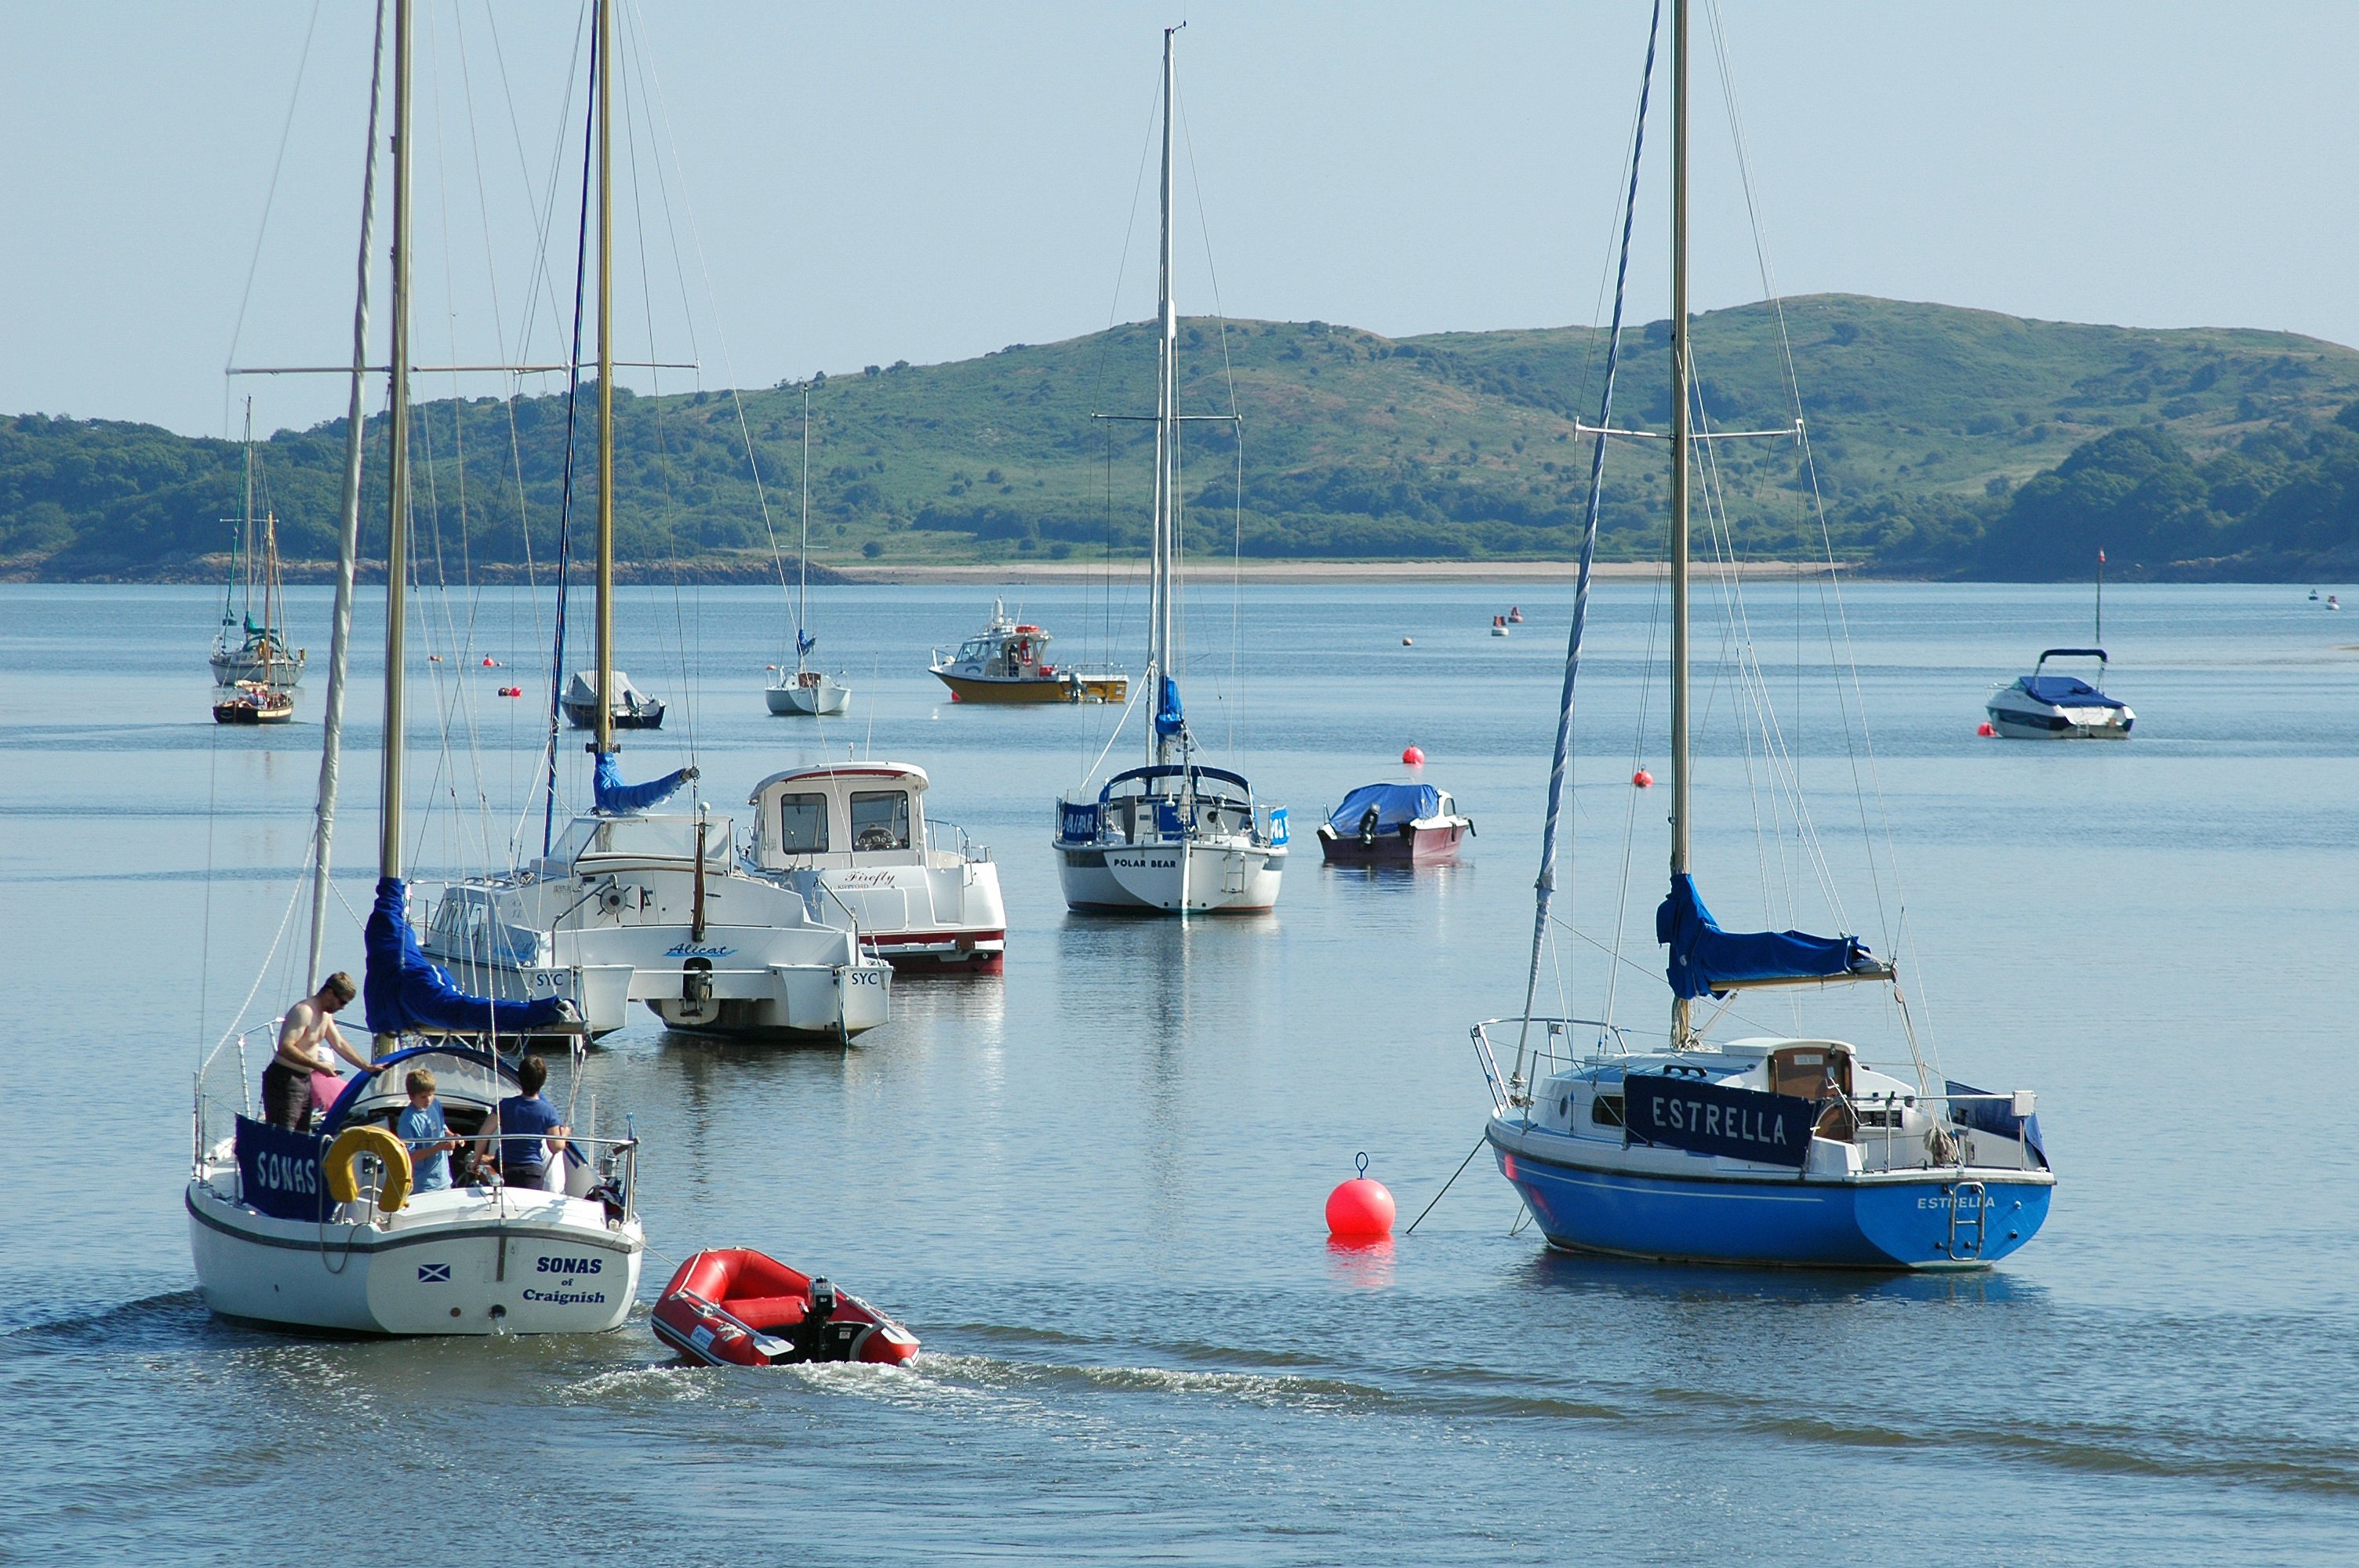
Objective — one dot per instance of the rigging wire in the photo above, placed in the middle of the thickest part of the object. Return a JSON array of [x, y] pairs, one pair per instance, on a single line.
[[269, 199]]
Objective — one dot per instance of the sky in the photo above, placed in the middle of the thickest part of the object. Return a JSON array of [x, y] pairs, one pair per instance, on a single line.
[[823, 187]]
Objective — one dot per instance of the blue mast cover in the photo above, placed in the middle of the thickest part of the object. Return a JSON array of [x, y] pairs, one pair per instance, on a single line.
[[1396, 804], [620, 798], [1168, 720], [402, 990], [1704, 959]]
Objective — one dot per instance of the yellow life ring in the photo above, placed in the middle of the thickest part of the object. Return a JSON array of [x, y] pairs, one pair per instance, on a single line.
[[390, 1152]]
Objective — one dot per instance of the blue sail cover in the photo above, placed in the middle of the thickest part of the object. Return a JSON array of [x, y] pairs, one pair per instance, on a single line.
[[805, 642], [1396, 804], [2061, 691], [402, 990], [620, 798], [1168, 719], [1704, 959]]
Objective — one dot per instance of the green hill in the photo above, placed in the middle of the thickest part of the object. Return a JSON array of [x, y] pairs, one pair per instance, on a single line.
[[1932, 430]]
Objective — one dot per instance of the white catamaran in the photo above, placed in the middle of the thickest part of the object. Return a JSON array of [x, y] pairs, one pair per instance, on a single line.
[[1174, 837], [1761, 1149], [322, 1227]]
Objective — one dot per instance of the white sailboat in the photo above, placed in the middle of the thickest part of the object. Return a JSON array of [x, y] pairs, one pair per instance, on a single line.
[[320, 1227], [804, 689], [1175, 835], [1787, 1151], [246, 650], [631, 905]]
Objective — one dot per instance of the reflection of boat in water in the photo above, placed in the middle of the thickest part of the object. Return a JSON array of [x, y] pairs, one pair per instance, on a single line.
[[1788, 1150], [1009, 662], [628, 706], [1392, 824], [2041, 707], [732, 1306], [858, 835]]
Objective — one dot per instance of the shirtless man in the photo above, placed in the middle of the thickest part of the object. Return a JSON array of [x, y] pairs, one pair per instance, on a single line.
[[306, 1037]]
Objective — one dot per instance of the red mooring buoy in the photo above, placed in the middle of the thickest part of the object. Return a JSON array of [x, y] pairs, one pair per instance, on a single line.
[[490, 662], [1360, 1210], [1413, 756], [1986, 730], [1643, 779]]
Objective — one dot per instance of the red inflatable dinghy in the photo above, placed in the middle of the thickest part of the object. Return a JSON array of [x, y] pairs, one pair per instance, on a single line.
[[733, 1306]]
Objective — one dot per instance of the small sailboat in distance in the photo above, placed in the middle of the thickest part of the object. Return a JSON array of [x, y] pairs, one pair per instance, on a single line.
[[246, 649], [804, 689]]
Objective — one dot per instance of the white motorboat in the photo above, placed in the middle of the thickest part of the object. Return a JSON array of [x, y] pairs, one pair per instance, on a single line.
[[320, 1227], [856, 836], [1784, 1151], [1174, 837], [803, 689], [634, 907], [2041, 707]]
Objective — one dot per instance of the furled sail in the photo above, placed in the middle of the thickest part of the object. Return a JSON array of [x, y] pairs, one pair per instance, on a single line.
[[618, 798], [1707, 960], [403, 991], [1169, 719]]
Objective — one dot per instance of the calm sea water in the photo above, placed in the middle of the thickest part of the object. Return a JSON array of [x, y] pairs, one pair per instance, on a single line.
[[1094, 1185]]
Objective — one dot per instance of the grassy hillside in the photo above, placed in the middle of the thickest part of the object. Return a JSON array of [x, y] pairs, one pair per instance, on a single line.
[[1924, 420]]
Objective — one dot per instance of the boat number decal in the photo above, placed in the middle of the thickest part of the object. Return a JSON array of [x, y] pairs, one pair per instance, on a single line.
[[702, 1338], [571, 1265], [1142, 862], [1947, 1200], [864, 976], [697, 950], [434, 1274]]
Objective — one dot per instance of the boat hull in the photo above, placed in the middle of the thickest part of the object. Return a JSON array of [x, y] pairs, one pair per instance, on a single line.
[[239, 712], [821, 699], [470, 1262], [646, 715], [1028, 689], [1887, 1220], [1200, 878], [1417, 845], [2018, 717], [737, 1307]]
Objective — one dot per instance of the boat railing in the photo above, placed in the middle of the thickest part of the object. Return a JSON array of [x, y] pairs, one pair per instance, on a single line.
[[968, 849], [614, 1163], [1545, 1046], [217, 1105]]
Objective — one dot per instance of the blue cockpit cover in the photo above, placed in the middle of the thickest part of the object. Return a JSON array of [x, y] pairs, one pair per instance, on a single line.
[[1990, 1113], [2061, 690], [1396, 804], [403, 991], [621, 799], [1168, 719], [1704, 957]]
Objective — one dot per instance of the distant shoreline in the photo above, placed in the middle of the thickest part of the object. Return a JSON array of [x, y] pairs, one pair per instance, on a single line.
[[737, 571]]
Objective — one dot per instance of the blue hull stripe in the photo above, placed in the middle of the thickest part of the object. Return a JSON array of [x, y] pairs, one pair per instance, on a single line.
[[1830, 1224]]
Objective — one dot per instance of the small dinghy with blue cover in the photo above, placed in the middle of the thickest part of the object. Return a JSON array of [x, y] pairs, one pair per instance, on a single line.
[[2041, 707], [1393, 825], [732, 1306]]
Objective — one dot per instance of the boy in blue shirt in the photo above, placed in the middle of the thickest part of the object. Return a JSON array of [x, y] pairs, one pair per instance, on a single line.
[[529, 1138], [421, 1127]]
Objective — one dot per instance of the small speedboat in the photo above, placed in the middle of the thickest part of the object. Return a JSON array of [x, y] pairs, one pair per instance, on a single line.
[[2041, 707], [1393, 825], [1514, 615], [732, 1306], [1498, 626], [1009, 661], [2332, 602]]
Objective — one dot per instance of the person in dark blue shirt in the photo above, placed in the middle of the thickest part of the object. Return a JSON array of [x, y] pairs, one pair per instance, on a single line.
[[531, 1140]]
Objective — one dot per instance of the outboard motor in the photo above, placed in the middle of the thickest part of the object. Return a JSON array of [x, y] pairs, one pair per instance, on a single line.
[[812, 1338], [1368, 828]]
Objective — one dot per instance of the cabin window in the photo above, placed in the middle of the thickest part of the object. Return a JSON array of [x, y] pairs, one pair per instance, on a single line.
[[802, 824], [880, 819], [1605, 1110]]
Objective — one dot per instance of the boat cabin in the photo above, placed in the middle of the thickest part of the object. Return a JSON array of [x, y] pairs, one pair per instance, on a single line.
[[845, 814], [594, 846], [1168, 801]]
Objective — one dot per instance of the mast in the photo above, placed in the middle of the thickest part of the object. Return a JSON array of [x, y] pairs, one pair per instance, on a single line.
[[245, 537], [396, 546], [331, 721], [1681, 784], [1166, 440], [802, 603], [606, 741]]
